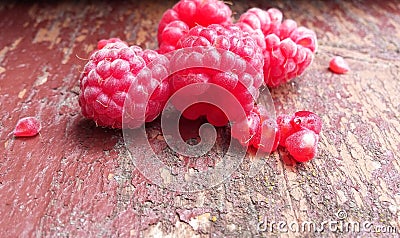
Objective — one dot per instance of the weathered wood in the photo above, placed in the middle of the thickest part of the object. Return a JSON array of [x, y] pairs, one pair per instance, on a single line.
[[76, 179]]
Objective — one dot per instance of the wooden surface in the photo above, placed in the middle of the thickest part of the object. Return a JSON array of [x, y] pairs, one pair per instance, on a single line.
[[76, 180]]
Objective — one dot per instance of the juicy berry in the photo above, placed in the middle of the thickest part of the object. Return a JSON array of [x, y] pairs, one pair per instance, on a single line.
[[27, 126], [338, 65], [284, 60], [302, 145], [257, 130], [189, 13], [224, 56], [114, 69], [288, 49]]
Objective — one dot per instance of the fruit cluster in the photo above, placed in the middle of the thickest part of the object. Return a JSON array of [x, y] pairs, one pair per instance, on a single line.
[[260, 48]]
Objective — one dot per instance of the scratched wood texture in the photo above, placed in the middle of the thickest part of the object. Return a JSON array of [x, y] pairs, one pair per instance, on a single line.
[[76, 180]]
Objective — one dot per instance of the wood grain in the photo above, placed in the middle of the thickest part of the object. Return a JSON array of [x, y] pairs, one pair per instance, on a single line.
[[77, 180]]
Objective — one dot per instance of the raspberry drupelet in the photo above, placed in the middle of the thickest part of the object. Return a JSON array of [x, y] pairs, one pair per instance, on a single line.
[[27, 126], [338, 65]]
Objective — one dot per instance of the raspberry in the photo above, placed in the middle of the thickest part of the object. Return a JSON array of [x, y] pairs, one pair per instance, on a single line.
[[189, 13], [224, 56], [338, 65], [113, 70], [288, 49], [288, 58], [302, 145], [27, 126], [257, 130]]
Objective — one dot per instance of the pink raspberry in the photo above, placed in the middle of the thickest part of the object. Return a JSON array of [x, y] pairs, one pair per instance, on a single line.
[[185, 15], [229, 57], [300, 134], [27, 126], [257, 130], [114, 69], [284, 60], [288, 49]]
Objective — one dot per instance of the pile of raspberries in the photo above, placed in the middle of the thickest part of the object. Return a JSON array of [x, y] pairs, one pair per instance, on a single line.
[[258, 50]]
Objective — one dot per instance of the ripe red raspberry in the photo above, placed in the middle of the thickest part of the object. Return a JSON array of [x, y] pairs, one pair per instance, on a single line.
[[338, 65], [225, 56], [257, 130], [284, 60], [189, 13], [27, 126], [288, 49], [302, 145], [113, 70]]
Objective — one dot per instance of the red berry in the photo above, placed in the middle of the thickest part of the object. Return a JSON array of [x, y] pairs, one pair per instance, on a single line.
[[27, 126], [288, 49], [113, 70], [338, 65], [232, 61], [190, 13], [302, 145]]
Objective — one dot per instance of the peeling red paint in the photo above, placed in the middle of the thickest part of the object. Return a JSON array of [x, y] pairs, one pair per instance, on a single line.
[[187, 214]]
